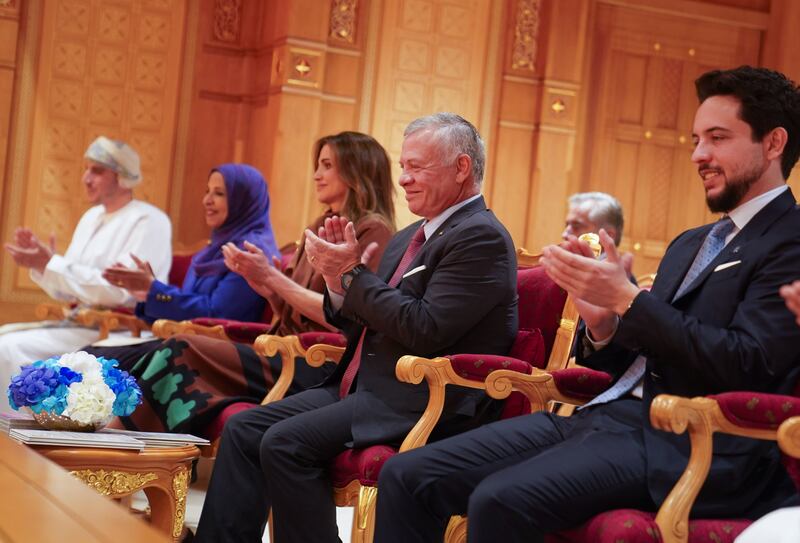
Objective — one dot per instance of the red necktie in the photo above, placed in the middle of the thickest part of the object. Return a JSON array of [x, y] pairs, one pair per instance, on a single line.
[[416, 243]]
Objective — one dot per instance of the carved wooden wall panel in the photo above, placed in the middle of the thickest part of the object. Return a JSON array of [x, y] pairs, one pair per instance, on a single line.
[[432, 58], [109, 68], [638, 142]]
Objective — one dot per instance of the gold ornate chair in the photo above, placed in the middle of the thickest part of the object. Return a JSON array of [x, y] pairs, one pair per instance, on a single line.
[[547, 324], [748, 414]]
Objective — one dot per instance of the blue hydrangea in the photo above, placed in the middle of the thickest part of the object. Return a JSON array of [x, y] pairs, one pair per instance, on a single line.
[[127, 391], [44, 386], [34, 383], [127, 400]]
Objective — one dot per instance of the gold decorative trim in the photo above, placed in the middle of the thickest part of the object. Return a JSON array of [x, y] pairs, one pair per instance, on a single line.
[[180, 484], [526, 32], [366, 505], [114, 483], [567, 324], [227, 20], [343, 20]]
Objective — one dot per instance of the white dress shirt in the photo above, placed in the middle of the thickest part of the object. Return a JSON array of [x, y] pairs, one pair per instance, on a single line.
[[100, 240]]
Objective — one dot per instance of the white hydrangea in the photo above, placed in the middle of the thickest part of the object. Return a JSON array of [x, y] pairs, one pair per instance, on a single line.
[[89, 401], [85, 364]]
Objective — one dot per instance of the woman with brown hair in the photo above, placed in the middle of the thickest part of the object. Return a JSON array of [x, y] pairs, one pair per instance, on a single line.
[[187, 380]]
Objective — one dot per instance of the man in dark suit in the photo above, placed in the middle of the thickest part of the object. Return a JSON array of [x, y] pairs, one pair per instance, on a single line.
[[713, 322], [446, 284]]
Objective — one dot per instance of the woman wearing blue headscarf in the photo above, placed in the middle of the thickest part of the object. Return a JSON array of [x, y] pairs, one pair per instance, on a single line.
[[236, 207]]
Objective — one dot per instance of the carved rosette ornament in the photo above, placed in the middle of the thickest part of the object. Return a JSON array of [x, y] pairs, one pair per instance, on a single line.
[[114, 483], [343, 20], [227, 20], [526, 32], [180, 485]]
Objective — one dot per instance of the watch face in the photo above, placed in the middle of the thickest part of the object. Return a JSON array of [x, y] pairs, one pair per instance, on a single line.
[[347, 278]]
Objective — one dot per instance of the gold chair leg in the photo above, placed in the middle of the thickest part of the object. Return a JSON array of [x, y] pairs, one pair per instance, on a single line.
[[364, 517], [456, 530]]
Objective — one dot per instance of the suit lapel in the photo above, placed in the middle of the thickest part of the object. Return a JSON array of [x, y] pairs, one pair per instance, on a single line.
[[394, 259], [737, 247], [679, 263], [394, 252]]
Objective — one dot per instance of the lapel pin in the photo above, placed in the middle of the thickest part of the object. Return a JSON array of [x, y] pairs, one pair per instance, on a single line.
[[736, 249]]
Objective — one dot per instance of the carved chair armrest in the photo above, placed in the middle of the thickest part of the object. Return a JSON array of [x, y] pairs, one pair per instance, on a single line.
[[165, 329], [108, 320], [701, 418], [289, 348], [438, 372], [789, 437], [318, 354], [48, 311], [539, 387]]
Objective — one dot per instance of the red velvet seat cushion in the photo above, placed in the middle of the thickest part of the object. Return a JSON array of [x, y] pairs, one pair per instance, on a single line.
[[238, 331], [361, 464], [757, 410], [307, 339], [582, 383], [214, 429], [476, 367], [631, 526]]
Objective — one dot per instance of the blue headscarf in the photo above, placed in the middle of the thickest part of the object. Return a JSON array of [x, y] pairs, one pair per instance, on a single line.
[[248, 219]]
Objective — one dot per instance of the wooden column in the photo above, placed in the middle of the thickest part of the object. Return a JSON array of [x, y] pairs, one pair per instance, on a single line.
[[270, 77], [539, 102], [781, 44]]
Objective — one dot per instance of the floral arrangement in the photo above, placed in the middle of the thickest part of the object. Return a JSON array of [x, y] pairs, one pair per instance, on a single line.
[[78, 386]]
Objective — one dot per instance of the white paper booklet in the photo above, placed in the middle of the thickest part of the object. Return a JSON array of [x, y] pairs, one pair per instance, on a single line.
[[75, 439], [159, 439]]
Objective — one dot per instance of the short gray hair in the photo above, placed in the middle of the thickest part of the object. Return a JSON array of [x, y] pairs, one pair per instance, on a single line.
[[605, 210], [455, 136]]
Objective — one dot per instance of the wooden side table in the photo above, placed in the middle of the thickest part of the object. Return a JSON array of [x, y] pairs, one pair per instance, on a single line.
[[40, 502], [163, 474]]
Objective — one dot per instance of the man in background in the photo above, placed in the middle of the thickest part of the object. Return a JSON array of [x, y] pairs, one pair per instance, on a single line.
[[109, 232]]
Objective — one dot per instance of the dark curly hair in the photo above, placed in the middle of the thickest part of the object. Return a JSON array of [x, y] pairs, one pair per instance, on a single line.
[[769, 99]]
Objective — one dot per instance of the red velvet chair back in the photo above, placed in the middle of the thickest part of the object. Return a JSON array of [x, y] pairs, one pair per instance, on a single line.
[[180, 266], [541, 302]]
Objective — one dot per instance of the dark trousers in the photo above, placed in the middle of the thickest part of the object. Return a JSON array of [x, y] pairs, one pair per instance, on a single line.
[[277, 456], [517, 479]]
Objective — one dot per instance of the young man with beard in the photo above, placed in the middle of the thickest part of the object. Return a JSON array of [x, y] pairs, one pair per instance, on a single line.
[[713, 322]]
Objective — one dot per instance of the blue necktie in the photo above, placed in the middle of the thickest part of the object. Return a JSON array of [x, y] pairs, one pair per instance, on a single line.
[[713, 244]]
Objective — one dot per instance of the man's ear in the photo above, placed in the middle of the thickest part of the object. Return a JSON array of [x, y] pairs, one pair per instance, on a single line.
[[611, 231], [775, 142], [463, 167]]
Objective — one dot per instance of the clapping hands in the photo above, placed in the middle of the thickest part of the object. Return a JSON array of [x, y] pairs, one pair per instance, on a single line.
[[29, 252], [137, 280]]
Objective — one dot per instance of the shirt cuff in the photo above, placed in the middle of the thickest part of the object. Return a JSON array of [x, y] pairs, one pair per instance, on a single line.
[[337, 300], [56, 264], [598, 344]]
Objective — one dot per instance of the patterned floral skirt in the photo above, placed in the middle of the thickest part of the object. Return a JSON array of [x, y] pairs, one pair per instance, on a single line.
[[188, 380]]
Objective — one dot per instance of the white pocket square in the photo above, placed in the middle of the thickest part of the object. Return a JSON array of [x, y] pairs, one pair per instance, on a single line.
[[415, 270], [727, 265]]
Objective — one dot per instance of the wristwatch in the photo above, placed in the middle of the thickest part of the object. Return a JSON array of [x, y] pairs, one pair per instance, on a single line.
[[348, 276]]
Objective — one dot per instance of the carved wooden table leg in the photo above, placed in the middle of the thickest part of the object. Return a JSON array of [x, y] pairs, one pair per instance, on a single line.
[[163, 475]]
